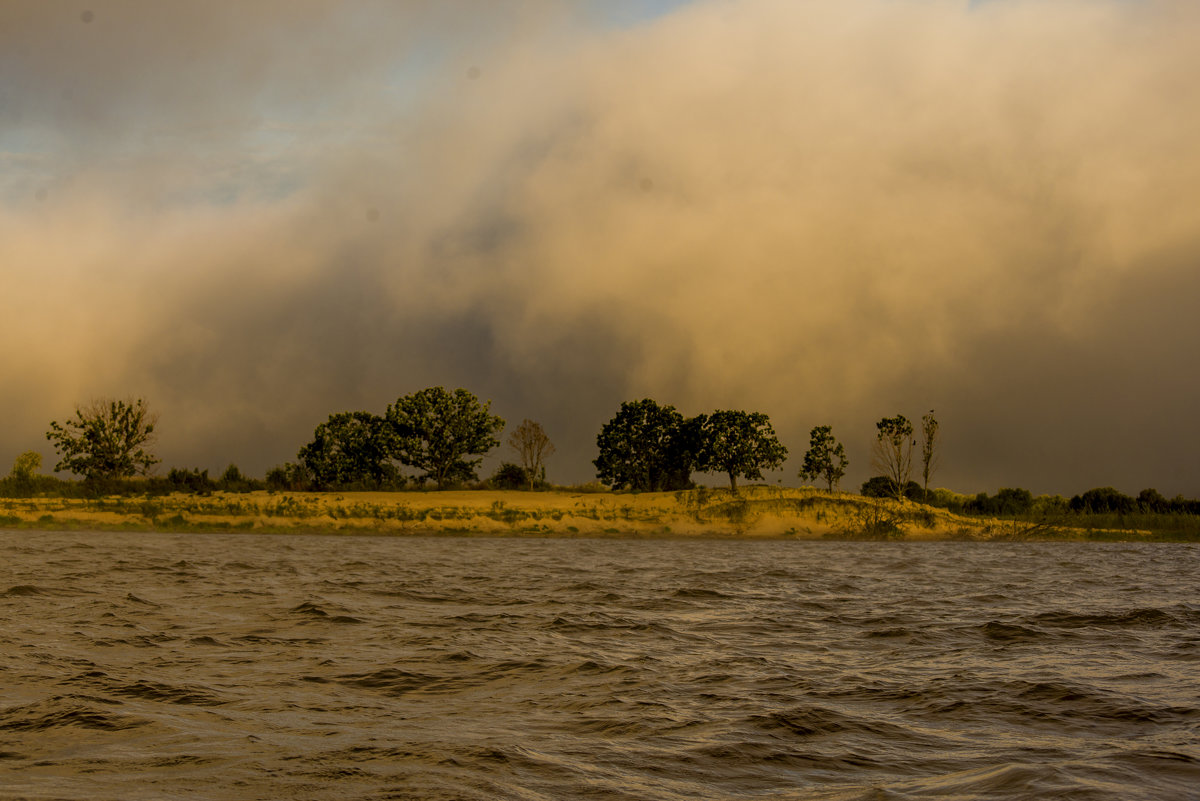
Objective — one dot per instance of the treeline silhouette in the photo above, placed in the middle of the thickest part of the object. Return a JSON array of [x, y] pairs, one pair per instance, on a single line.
[[644, 447], [1098, 508]]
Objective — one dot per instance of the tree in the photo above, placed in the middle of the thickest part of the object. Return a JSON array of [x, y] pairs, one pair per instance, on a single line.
[[892, 451], [533, 446], [435, 430], [26, 465], [739, 443], [929, 449], [826, 458], [105, 439], [647, 447], [350, 449]]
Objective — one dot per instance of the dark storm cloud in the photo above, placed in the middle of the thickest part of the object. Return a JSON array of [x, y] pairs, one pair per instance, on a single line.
[[259, 214]]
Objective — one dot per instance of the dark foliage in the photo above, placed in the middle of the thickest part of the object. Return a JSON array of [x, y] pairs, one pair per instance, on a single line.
[[289, 477], [195, 481], [1103, 500], [438, 431], [350, 450], [738, 444], [648, 447], [825, 459], [105, 440], [511, 476], [884, 487]]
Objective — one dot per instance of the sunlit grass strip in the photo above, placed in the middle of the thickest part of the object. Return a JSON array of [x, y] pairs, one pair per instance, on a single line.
[[754, 512]]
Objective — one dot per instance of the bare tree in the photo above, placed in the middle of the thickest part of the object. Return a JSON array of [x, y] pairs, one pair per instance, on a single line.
[[530, 442], [929, 449], [892, 452]]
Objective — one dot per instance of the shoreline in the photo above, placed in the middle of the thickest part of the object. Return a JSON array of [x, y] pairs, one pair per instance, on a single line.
[[754, 513]]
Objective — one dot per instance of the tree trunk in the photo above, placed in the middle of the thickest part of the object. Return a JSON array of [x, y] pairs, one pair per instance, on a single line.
[[733, 483]]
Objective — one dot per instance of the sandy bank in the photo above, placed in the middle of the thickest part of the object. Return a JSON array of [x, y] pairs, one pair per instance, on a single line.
[[756, 512]]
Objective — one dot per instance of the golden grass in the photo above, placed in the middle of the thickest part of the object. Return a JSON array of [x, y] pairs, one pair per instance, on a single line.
[[755, 512]]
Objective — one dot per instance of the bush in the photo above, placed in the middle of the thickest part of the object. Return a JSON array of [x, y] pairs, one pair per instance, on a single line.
[[288, 477], [509, 476], [1152, 501], [232, 480], [1012, 501], [884, 487], [1101, 500], [194, 481]]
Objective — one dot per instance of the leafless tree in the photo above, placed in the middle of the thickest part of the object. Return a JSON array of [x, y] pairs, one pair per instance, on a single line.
[[892, 452], [530, 442]]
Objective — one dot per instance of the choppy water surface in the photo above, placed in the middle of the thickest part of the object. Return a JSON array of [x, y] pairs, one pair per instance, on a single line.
[[139, 666]]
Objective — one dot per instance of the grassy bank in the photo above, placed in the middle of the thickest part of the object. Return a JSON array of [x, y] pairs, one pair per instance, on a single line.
[[757, 512]]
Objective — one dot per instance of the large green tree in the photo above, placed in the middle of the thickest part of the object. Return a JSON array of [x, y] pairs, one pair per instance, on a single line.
[[350, 449], [105, 439], [891, 453], [647, 447], [739, 444], [437, 431], [825, 459]]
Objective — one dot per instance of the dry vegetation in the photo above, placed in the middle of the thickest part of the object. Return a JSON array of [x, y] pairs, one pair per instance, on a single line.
[[756, 512]]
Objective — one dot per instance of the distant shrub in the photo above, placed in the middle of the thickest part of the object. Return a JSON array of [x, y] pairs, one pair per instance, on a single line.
[[289, 477], [1010, 501], [232, 480], [1101, 500], [1050, 506], [195, 481], [1152, 501], [884, 487], [509, 476]]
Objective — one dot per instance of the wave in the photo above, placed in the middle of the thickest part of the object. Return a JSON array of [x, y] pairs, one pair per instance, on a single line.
[[1149, 617], [390, 681], [65, 711]]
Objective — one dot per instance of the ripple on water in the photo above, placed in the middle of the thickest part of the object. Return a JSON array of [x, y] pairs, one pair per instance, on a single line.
[[309, 667]]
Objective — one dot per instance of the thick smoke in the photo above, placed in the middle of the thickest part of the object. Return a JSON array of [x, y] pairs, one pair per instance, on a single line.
[[258, 214]]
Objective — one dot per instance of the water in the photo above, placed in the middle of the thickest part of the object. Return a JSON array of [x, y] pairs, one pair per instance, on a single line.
[[138, 666]]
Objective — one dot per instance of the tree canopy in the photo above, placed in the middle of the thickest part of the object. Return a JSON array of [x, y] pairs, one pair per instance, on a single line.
[[105, 439], [350, 449], [647, 447], [739, 444], [436, 431], [825, 459]]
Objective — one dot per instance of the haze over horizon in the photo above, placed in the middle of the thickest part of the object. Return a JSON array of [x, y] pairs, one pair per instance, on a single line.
[[258, 214]]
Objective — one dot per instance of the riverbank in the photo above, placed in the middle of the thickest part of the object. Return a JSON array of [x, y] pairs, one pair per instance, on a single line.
[[761, 512]]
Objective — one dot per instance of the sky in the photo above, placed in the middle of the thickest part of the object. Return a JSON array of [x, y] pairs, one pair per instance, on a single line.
[[257, 214]]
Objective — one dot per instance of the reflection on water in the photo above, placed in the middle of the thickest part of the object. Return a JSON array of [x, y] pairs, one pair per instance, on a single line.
[[146, 666]]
